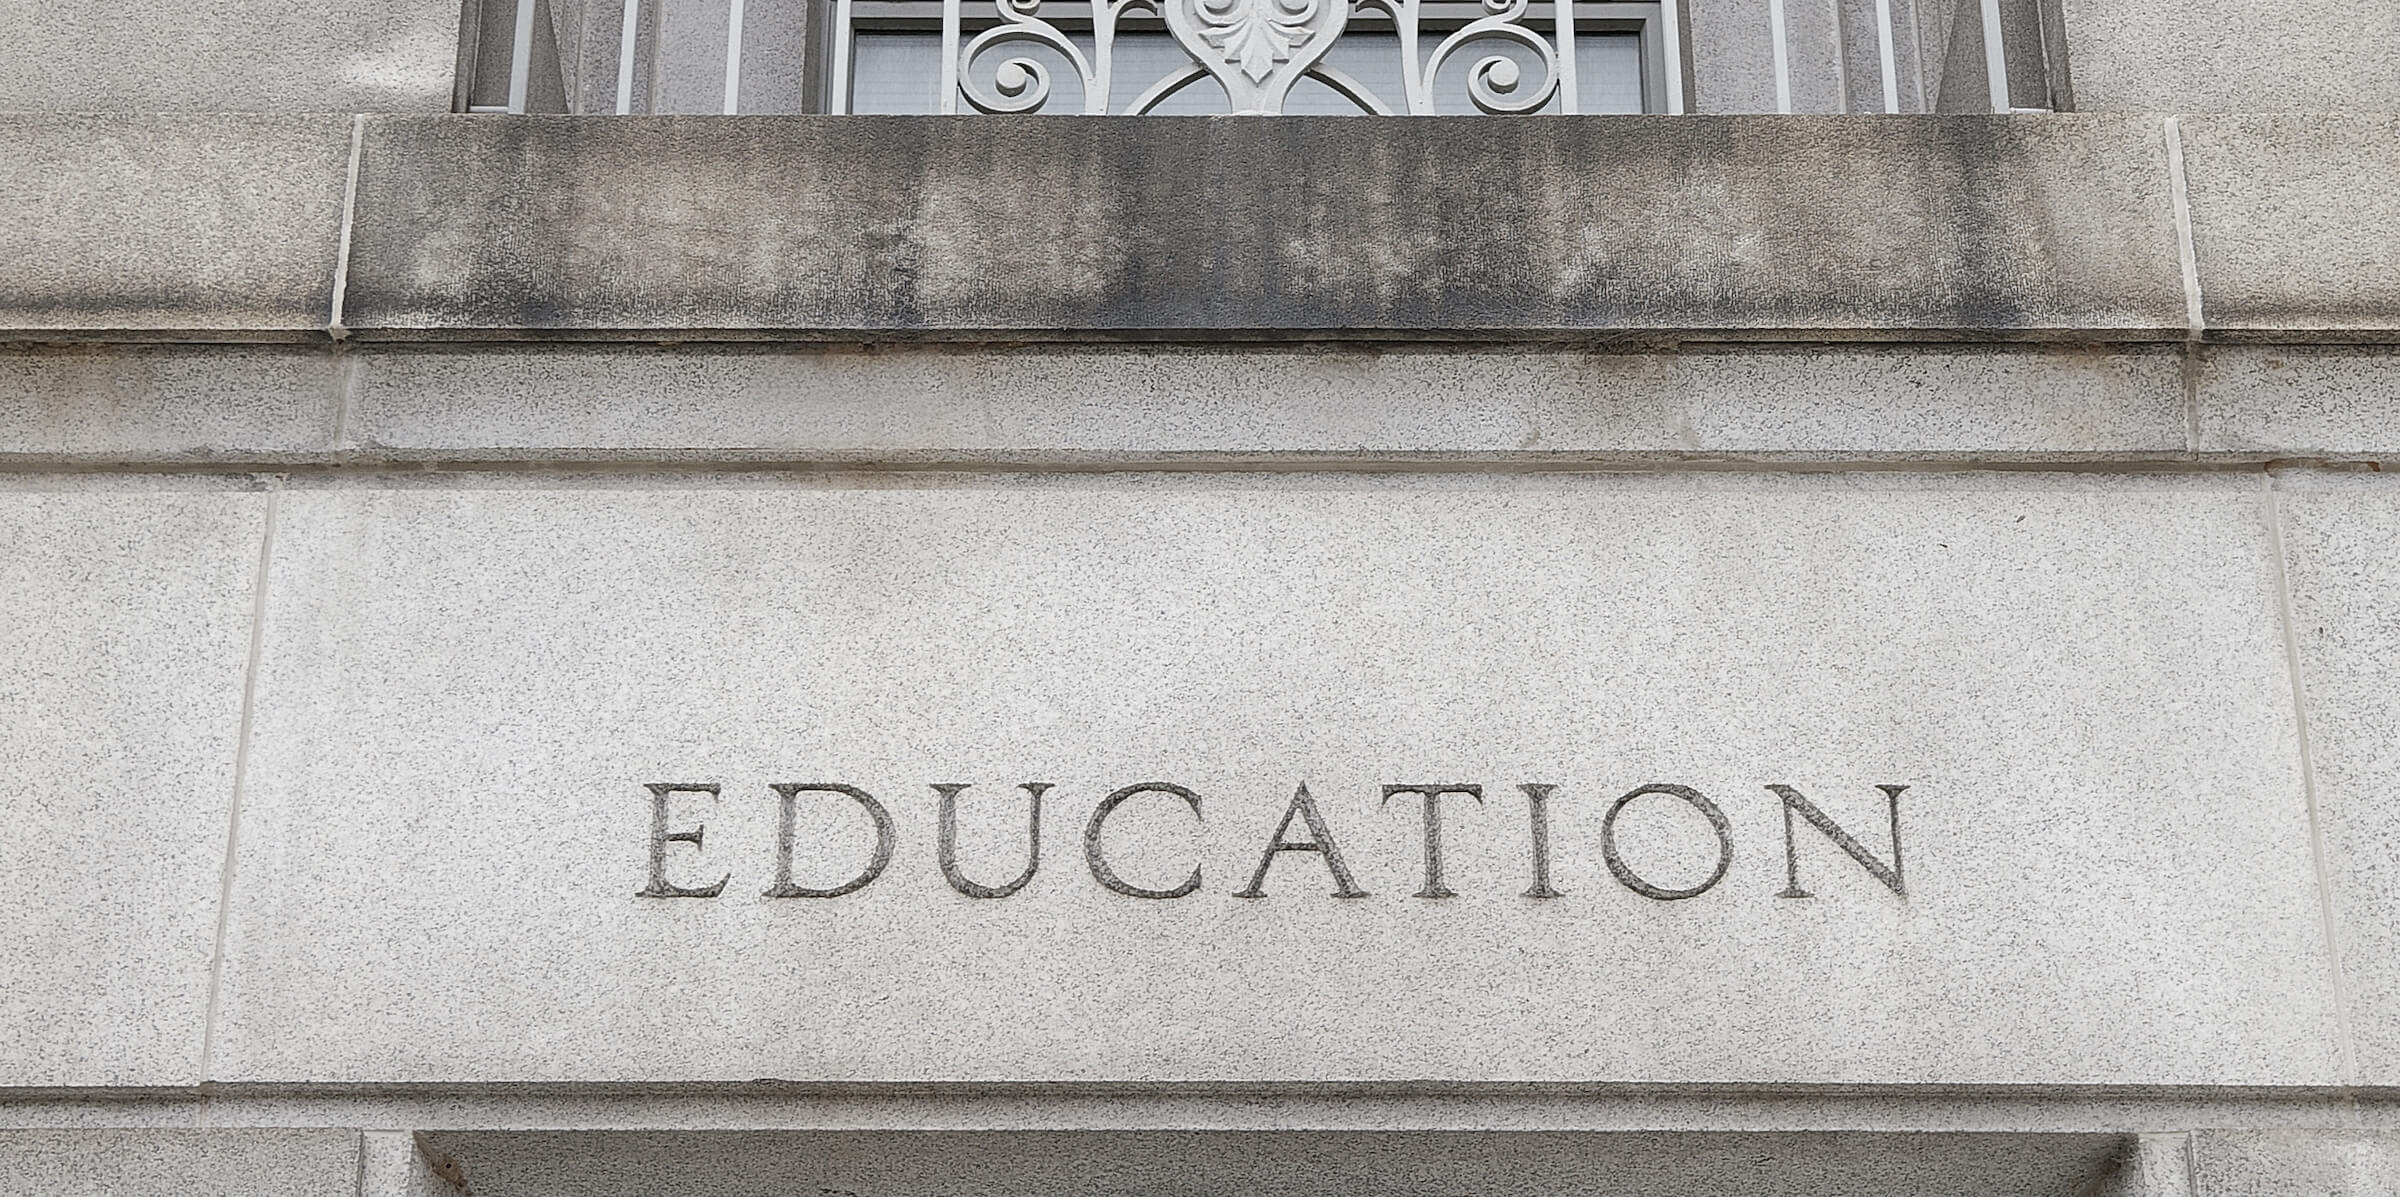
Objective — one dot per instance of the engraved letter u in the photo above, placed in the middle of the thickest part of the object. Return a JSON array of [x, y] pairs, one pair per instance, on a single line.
[[946, 843]]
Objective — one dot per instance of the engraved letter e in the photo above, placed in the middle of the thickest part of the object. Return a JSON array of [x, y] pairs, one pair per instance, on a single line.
[[660, 837]]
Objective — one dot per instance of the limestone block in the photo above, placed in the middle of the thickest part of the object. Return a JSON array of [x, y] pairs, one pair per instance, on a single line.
[[2300, 401], [1732, 58], [1049, 404], [237, 1162], [402, 1164], [467, 690], [917, 226], [2292, 223], [1303, 1164], [2339, 533], [2273, 1163], [113, 404], [196, 224], [228, 56], [2233, 55], [125, 624], [2152, 1165], [118, 403]]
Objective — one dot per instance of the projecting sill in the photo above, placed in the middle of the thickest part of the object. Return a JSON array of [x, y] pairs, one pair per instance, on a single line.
[[1584, 229]]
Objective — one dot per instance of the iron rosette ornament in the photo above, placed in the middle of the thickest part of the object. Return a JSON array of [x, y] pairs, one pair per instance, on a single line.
[[1257, 51]]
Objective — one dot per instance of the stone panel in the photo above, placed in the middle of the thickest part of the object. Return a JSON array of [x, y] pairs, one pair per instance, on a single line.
[[2153, 1165], [1119, 404], [178, 1163], [2300, 401], [2339, 534], [228, 56], [121, 403], [466, 688], [2292, 220], [915, 226], [125, 624], [282, 405], [1732, 58], [2277, 1163], [1418, 1164], [394, 1164], [164, 224], [2233, 55]]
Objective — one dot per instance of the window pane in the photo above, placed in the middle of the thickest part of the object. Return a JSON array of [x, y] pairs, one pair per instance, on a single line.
[[895, 72]]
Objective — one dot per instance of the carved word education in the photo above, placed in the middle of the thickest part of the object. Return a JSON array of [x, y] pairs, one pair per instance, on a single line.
[[1320, 842]]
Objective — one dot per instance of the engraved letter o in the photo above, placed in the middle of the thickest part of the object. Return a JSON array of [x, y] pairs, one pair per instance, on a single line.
[[1625, 876]]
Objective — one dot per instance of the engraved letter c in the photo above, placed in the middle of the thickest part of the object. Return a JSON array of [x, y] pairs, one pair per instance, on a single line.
[[1091, 842]]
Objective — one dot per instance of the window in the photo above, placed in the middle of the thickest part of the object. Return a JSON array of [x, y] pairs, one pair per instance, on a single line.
[[1260, 56]]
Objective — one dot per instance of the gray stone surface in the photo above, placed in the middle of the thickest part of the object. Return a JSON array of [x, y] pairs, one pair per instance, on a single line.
[[2300, 401], [177, 224], [227, 56], [843, 226], [1733, 64], [221, 1162], [2158, 1118], [402, 1164], [1300, 1164], [2154, 1165], [2284, 1163], [2339, 533], [280, 405], [148, 403], [2292, 222], [1121, 404], [2082, 680], [688, 71], [2233, 55], [125, 625]]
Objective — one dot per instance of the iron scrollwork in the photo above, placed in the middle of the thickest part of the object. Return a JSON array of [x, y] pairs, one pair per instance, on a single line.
[[1256, 50]]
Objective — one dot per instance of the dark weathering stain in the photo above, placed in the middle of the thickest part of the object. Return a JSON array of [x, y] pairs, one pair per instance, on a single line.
[[1203, 227], [1992, 275]]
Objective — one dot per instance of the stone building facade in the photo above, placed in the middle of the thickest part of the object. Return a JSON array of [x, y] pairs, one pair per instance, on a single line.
[[1824, 639]]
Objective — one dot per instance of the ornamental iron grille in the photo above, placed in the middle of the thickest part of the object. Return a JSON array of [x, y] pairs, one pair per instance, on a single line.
[[1132, 57]]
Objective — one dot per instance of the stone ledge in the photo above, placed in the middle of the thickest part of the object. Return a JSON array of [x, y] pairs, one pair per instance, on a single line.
[[1202, 228], [1081, 405], [1577, 230], [169, 227], [1132, 406], [2293, 225]]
